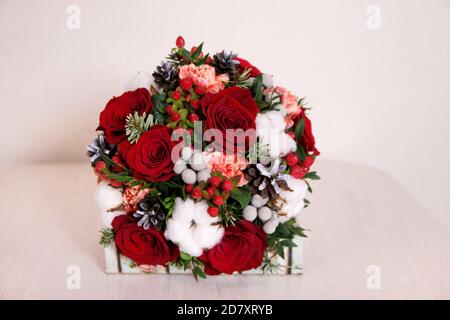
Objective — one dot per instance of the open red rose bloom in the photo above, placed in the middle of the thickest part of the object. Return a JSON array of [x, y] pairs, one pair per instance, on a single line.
[[203, 165]]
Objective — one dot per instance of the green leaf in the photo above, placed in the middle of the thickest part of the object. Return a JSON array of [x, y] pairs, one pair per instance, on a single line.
[[197, 52], [241, 195], [107, 237], [299, 128], [185, 256], [301, 152], [288, 243], [312, 175]]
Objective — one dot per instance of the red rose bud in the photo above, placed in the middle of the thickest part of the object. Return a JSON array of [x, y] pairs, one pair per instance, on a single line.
[[180, 42], [200, 90], [188, 188], [176, 95], [298, 172], [292, 159], [227, 185], [193, 117], [218, 200], [210, 190], [175, 117], [213, 211], [215, 181], [195, 104], [196, 193], [186, 84]]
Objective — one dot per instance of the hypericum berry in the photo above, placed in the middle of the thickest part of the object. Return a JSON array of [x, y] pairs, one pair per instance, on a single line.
[[188, 98], [298, 172], [100, 165], [188, 188], [215, 181], [176, 95], [308, 162], [180, 42], [210, 190], [169, 110], [200, 90], [186, 84], [213, 211], [227, 185], [175, 117], [193, 50], [218, 200], [292, 159], [193, 117], [195, 104], [196, 193]]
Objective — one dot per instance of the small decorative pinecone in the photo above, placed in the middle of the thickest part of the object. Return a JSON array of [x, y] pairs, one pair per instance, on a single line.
[[266, 181], [99, 146], [166, 76], [150, 212], [224, 62]]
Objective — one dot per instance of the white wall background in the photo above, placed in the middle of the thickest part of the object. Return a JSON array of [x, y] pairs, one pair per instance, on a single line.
[[380, 97]]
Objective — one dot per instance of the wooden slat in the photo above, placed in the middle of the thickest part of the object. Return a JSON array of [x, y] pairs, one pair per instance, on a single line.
[[297, 256], [111, 259]]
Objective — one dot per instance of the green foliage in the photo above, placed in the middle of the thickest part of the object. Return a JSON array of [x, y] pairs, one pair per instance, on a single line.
[[241, 195], [312, 175], [169, 204], [136, 125], [159, 106], [283, 237], [107, 237], [257, 92], [185, 262], [299, 128], [241, 79]]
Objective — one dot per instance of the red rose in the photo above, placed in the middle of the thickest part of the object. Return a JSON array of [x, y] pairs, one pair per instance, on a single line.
[[150, 156], [113, 117], [140, 245], [244, 64], [241, 248], [307, 138], [231, 108]]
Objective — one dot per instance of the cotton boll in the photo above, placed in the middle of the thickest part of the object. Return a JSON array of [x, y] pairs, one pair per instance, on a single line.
[[258, 201], [270, 226], [177, 231], [140, 80], [108, 197], [179, 166], [201, 216], [276, 120], [294, 200], [189, 176], [287, 144], [190, 246], [207, 236], [183, 210], [108, 217], [250, 213], [203, 175], [186, 153], [198, 161], [267, 80], [264, 214]]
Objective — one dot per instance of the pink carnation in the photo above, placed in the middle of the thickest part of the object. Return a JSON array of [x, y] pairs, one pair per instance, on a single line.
[[289, 102], [131, 197], [204, 76], [229, 166]]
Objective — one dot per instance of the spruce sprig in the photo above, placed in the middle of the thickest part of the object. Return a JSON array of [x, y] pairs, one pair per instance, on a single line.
[[107, 237], [136, 125]]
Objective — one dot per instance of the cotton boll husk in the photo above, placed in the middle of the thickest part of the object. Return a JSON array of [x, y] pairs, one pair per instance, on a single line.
[[108, 197], [179, 166], [207, 236], [183, 210], [140, 80], [201, 216], [204, 175], [189, 176]]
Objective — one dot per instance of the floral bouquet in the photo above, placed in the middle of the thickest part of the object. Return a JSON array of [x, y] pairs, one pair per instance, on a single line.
[[203, 167]]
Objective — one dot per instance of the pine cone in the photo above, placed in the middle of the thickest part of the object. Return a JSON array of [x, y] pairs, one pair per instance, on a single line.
[[98, 147], [224, 62], [166, 76], [150, 213], [266, 181]]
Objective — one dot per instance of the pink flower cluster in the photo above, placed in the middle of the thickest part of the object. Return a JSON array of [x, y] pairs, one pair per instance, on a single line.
[[132, 195], [204, 76], [229, 166], [289, 101]]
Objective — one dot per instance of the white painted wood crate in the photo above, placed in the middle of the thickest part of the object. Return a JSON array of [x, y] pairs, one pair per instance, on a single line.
[[118, 263]]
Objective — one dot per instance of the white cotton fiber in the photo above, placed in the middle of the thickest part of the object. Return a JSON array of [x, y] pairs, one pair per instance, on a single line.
[[176, 231], [295, 198], [108, 217], [140, 80], [201, 216], [270, 129], [190, 246], [108, 197], [207, 236], [183, 210]]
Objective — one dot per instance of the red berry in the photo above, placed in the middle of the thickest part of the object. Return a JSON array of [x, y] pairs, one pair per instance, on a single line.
[[188, 188], [209, 60], [99, 166], [193, 49], [186, 84], [195, 104], [210, 190], [196, 193], [227, 185], [213, 211], [200, 90], [169, 110], [193, 117], [180, 42], [188, 98], [215, 181], [218, 200], [308, 162], [176, 95], [298, 172], [175, 117], [292, 159]]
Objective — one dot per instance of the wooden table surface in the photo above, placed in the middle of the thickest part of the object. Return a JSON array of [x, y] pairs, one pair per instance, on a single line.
[[361, 221]]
